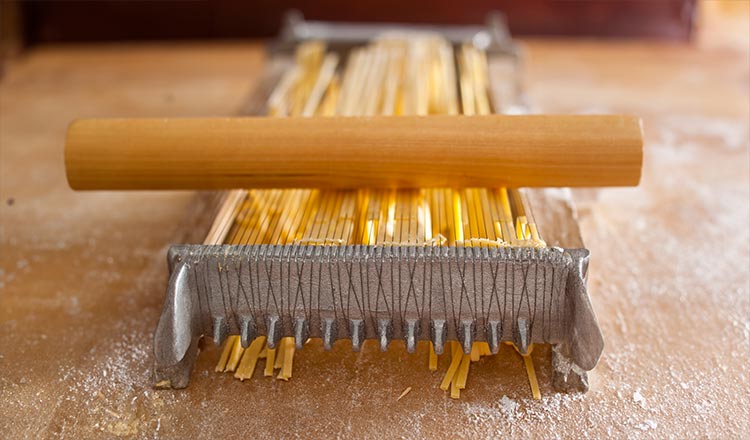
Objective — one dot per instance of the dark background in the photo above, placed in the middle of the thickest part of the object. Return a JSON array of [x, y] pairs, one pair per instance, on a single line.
[[86, 21]]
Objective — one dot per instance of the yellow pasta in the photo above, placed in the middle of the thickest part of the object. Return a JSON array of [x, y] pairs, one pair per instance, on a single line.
[[391, 76]]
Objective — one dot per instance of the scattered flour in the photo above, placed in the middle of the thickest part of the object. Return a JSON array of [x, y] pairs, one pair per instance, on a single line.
[[646, 425], [639, 399], [508, 406]]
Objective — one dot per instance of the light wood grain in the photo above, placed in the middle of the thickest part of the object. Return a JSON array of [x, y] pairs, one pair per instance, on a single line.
[[344, 152], [84, 273]]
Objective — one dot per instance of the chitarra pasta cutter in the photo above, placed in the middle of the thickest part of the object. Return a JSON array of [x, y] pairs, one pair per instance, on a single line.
[[382, 203]]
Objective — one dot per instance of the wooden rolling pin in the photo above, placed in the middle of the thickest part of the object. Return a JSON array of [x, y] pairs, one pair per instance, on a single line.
[[349, 152]]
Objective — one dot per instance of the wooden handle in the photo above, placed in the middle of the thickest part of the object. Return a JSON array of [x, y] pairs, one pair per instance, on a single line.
[[349, 152]]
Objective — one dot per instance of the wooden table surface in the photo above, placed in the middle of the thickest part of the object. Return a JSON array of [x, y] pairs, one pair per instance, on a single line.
[[82, 275]]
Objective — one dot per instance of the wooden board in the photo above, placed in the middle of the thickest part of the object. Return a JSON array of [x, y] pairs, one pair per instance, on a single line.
[[83, 275]]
